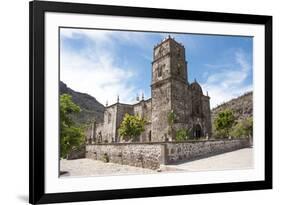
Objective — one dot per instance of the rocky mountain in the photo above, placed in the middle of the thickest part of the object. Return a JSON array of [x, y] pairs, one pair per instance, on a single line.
[[91, 109], [242, 107]]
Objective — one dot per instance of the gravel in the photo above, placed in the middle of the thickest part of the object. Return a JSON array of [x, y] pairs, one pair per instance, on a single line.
[[89, 167]]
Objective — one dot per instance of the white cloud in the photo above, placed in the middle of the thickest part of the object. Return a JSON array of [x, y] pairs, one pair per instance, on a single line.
[[108, 37], [93, 69], [228, 82]]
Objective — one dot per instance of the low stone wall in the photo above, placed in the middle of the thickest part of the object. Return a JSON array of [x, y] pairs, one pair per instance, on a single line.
[[146, 155], [151, 155], [185, 151], [77, 153]]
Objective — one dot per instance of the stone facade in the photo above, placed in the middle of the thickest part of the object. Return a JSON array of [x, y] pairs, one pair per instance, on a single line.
[[146, 155], [170, 92], [185, 151], [152, 155], [77, 153]]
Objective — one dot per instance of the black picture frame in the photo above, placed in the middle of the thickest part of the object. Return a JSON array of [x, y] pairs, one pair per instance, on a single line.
[[37, 11]]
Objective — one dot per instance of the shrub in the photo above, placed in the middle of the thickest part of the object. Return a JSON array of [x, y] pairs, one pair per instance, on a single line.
[[243, 128], [105, 158], [182, 135], [171, 117]]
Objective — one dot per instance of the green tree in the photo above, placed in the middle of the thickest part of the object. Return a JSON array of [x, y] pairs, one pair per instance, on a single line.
[[70, 134], [182, 135], [244, 128], [237, 130], [131, 127], [249, 126], [171, 120], [224, 122]]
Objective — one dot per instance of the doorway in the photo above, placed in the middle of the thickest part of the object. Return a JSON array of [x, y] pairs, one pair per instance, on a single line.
[[197, 131]]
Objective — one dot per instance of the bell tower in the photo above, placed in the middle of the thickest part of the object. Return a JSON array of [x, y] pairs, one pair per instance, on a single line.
[[169, 68], [169, 61]]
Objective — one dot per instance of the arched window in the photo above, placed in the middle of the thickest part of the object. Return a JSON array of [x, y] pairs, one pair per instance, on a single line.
[[178, 52], [197, 109], [149, 136], [161, 51], [109, 118], [160, 70], [179, 68]]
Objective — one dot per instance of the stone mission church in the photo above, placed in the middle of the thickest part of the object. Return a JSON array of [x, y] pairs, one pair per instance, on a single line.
[[170, 92]]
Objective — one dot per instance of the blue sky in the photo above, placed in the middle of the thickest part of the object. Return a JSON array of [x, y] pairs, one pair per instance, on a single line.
[[105, 63]]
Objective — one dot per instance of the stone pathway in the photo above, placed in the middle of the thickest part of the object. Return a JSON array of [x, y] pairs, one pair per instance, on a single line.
[[239, 159]]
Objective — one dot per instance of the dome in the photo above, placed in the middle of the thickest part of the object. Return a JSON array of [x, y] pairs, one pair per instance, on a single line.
[[195, 86]]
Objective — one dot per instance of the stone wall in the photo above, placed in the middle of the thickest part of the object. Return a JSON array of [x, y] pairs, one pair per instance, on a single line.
[[151, 155], [146, 155], [185, 151], [77, 153]]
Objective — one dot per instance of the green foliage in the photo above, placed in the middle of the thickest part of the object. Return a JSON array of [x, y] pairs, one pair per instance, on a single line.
[[105, 158], [237, 131], [224, 122], [131, 127], [182, 135], [70, 135], [243, 128], [248, 124], [171, 118]]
